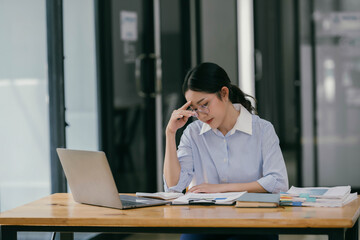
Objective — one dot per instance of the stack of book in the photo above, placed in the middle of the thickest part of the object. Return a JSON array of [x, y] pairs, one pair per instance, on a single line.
[[317, 196]]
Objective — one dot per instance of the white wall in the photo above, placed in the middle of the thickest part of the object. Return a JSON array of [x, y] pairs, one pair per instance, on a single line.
[[80, 75], [219, 35]]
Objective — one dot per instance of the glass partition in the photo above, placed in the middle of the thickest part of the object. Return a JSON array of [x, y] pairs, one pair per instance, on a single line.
[[330, 58], [337, 56], [24, 142]]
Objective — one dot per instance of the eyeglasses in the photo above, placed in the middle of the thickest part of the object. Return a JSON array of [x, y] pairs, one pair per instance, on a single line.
[[203, 108]]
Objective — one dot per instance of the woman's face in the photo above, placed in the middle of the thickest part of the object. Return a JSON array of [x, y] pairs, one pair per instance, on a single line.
[[209, 107]]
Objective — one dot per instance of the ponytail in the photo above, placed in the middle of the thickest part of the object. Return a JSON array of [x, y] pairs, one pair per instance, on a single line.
[[238, 96]]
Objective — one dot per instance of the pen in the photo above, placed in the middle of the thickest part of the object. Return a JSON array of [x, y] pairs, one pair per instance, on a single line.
[[202, 201], [205, 200]]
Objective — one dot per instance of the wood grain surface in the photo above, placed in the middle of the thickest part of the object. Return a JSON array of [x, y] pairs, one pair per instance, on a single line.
[[61, 210]]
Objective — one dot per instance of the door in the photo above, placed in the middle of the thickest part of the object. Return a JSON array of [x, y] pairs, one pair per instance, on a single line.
[[142, 60], [125, 42]]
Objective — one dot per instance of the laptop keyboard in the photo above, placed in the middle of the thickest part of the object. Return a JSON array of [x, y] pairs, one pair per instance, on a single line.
[[131, 203], [127, 201]]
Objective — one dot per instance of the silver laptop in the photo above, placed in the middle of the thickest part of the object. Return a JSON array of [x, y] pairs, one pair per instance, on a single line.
[[91, 181]]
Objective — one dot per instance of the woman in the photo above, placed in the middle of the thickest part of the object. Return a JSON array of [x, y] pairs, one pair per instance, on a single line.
[[229, 149]]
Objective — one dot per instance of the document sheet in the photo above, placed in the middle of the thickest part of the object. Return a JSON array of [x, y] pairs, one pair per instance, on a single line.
[[227, 198]]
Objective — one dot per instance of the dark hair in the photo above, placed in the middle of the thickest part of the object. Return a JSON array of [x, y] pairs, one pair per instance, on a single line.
[[210, 78]]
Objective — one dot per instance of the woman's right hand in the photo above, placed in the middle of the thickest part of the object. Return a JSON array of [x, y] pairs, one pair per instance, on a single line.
[[179, 117]]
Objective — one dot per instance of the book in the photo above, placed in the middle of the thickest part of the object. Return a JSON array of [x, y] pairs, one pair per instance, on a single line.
[[258, 200], [320, 192], [318, 202], [318, 196], [227, 198], [160, 195]]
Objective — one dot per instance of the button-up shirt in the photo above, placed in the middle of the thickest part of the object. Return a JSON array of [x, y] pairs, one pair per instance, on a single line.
[[249, 152]]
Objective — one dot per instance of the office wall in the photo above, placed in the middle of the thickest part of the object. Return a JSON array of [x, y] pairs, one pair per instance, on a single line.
[[80, 75], [219, 35]]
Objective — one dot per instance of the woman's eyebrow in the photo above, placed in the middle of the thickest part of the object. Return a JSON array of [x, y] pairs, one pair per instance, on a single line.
[[198, 102]]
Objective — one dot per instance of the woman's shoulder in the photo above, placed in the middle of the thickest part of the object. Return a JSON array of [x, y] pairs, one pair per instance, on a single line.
[[261, 124]]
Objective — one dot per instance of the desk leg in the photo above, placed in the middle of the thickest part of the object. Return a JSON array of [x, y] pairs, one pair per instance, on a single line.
[[7, 234], [353, 233], [337, 235], [64, 236]]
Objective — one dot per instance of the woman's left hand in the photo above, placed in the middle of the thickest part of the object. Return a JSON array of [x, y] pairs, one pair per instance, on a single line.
[[208, 188]]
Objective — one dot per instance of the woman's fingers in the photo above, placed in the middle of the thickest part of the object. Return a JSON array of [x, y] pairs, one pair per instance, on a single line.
[[185, 106], [181, 113], [179, 117], [194, 189]]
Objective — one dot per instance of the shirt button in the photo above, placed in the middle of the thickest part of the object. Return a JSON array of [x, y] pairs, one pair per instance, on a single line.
[[224, 141], [225, 159]]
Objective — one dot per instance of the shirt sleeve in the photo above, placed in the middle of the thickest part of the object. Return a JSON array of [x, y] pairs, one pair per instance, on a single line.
[[275, 177], [185, 156]]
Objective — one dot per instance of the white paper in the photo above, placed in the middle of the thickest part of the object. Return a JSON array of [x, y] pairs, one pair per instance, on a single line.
[[128, 26], [215, 198]]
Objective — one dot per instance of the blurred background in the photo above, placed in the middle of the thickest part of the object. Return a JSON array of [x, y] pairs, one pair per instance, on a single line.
[[106, 75]]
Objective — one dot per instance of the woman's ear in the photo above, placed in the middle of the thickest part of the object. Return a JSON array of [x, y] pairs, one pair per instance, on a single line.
[[224, 93]]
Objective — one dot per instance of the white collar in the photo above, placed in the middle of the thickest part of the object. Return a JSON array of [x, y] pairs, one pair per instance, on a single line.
[[243, 122]]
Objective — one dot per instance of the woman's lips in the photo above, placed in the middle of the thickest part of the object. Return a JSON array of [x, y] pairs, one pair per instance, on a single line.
[[209, 121]]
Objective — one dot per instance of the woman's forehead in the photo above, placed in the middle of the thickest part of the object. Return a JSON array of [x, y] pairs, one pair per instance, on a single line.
[[196, 97]]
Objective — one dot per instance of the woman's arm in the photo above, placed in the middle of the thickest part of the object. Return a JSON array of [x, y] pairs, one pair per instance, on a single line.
[[275, 178], [172, 166], [228, 187], [171, 163]]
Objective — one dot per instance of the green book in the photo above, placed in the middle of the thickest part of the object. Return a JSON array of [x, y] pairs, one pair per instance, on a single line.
[[258, 200]]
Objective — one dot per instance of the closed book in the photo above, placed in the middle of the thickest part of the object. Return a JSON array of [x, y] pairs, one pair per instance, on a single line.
[[258, 200]]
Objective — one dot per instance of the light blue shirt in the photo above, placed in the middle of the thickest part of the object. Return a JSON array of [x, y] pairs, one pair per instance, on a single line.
[[249, 152]]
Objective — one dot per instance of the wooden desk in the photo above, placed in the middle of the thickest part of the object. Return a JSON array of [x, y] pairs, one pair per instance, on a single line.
[[59, 213]]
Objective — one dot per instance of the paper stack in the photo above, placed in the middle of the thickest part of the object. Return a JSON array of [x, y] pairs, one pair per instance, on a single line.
[[317, 196]]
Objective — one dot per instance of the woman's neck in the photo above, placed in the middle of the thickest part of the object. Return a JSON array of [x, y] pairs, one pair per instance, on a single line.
[[230, 119]]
